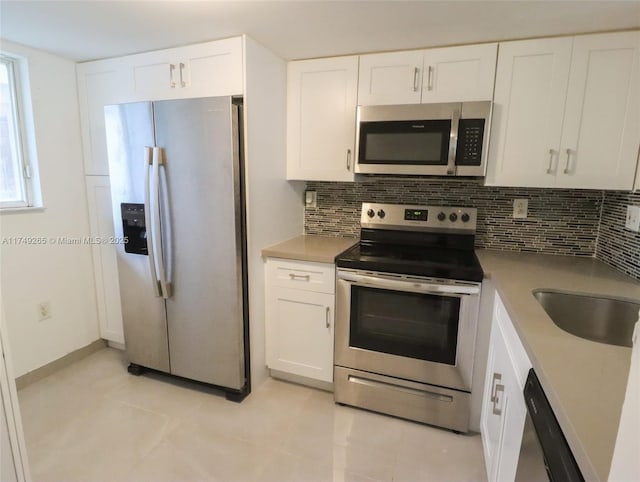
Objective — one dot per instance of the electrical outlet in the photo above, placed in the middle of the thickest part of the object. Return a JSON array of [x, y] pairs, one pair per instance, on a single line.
[[632, 221], [44, 310], [520, 208], [311, 199]]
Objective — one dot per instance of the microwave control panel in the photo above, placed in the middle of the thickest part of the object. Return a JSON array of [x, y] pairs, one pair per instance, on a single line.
[[470, 136]]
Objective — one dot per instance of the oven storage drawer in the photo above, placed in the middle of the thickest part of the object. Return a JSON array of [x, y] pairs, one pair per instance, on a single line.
[[415, 401], [301, 275]]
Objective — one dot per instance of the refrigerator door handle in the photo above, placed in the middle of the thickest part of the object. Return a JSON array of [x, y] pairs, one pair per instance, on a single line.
[[158, 159], [148, 166], [167, 232]]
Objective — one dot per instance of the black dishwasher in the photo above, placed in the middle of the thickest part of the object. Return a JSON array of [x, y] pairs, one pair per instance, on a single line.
[[545, 453]]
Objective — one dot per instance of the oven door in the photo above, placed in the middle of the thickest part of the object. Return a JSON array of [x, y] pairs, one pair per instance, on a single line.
[[407, 327]]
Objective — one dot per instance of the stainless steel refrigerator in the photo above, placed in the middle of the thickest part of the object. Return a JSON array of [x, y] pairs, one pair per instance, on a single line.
[[178, 201]]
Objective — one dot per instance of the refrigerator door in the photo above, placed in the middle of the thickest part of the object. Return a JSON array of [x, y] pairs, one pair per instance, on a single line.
[[129, 129], [202, 234]]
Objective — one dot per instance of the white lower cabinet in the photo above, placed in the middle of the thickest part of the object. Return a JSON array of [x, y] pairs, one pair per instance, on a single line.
[[503, 409], [300, 301]]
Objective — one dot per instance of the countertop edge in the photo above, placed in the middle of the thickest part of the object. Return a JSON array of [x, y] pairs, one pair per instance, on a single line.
[[310, 247]]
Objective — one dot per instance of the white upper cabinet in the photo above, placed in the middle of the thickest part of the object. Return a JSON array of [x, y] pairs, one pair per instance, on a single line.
[[391, 78], [450, 74], [528, 109], [321, 118], [202, 70], [100, 83], [208, 69], [601, 131], [459, 74], [567, 113]]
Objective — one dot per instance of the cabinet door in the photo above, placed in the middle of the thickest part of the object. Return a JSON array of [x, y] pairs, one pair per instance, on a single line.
[[528, 109], [212, 69], [601, 129], [491, 417], [459, 74], [155, 75], [99, 83], [392, 78], [104, 259], [300, 332], [321, 118], [503, 409]]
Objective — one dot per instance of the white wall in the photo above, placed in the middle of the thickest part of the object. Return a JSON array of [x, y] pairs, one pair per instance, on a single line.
[[61, 275], [274, 206]]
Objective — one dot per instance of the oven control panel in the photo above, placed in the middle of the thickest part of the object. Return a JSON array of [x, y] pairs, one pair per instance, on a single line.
[[419, 218]]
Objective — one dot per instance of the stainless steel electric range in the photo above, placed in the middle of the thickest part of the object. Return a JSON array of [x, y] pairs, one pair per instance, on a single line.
[[406, 314]]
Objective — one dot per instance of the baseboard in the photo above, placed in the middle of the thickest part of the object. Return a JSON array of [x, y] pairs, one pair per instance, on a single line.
[[300, 380], [52, 367]]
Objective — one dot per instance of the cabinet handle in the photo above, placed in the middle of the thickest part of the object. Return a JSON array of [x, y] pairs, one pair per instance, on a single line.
[[495, 388], [416, 73], [551, 153], [497, 411], [348, 159], [430, 78], [172, 83], [328, 323], [182, 82], [304, 277], [566, 168]]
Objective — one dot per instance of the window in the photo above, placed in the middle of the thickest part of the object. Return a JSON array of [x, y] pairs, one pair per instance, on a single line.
[[15, 175]]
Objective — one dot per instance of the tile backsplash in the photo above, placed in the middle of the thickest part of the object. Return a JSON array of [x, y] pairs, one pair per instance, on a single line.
[[560, 221], [616, 245]]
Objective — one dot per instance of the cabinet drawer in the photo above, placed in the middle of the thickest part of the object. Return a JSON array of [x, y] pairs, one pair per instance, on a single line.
[[303, 275]]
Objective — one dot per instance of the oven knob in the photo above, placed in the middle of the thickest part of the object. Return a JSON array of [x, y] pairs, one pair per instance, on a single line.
[[465, 217], [442, 216], [371, 213], [453, 217], [381, 213]]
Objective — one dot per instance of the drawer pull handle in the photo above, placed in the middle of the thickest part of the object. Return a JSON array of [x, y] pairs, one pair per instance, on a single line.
[[328, 323], [302, 277]]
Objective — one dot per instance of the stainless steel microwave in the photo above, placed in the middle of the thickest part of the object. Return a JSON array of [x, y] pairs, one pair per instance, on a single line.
[[449, 139]]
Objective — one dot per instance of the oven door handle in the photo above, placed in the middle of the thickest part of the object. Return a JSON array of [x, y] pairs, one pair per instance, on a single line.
[[407, 285]]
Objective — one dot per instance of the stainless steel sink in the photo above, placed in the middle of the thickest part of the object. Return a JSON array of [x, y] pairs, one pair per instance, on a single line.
[[596, 318]]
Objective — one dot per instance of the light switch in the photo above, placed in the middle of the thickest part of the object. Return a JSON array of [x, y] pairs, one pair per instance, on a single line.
[[632, 221], [310, 199], [520, 208]]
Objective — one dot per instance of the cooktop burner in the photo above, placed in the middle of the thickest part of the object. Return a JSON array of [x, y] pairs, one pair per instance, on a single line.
[[429, 241]]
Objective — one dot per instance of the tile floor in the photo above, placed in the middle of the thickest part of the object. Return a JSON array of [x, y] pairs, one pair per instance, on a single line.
[[92, 421]]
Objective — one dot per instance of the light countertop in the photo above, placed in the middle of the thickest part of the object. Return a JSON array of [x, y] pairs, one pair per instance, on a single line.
[[309, 247], [585, 381]]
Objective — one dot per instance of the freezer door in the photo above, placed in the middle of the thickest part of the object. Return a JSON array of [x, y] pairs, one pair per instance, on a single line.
[[202, 230], [129, 130]]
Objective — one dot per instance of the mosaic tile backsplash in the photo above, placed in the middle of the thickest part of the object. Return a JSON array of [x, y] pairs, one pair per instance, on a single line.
[[616, 245], [560, 221]]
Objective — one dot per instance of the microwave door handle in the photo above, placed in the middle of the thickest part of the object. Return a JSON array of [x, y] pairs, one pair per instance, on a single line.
[[453, 142]]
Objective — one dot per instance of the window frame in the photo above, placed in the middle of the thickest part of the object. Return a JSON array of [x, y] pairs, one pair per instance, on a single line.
[[25, 172]]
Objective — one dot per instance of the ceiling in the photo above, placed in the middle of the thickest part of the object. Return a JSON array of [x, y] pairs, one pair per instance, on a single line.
[[87, 30]]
